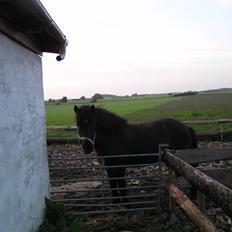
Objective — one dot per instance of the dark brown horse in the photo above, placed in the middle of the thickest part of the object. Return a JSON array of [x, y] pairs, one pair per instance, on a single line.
[[110, 134]]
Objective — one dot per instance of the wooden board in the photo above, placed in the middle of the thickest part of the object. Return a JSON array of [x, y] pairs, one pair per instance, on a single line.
[[62, 128], [204, 224], [196, 156], [206, 122], [62, 140], [222, 175], [219, 193]]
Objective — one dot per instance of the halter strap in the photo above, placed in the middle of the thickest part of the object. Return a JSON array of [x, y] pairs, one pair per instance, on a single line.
[[87, 138]]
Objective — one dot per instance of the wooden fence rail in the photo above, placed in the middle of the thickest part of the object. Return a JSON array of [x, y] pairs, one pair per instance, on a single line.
[[204, 224], [190, 123], [196, 156], [215, 190], [201, 135], [207, 122], [62, 128]]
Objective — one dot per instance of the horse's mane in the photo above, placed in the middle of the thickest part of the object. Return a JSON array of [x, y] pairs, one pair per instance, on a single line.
[[109, 122]]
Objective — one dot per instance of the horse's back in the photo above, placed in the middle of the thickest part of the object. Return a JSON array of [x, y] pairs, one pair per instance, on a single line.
[[166, 130], [180, 136]]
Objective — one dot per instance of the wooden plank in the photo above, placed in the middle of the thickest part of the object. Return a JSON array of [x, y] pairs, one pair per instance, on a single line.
[[214, 190], [213, 133], [202, 135], [65, 128], [63, 140], [67, 140], [190, 122], [196, 156], [222, 175], [194, 122], [207, 122], [191, 210]]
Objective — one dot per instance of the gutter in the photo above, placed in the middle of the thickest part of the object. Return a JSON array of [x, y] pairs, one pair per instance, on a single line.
[[51, 39], [51, 27]]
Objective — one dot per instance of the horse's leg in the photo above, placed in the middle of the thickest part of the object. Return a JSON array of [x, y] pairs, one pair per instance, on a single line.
[[121, 172], [113, 184]]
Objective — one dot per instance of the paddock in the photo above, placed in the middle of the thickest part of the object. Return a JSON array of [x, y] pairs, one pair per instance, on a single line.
[[79, 181]]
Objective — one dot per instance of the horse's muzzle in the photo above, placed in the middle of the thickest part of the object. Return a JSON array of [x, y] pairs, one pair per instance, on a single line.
[[87, 147]]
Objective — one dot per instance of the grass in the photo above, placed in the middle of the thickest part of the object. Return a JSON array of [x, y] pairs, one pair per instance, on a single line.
[[60, 115], [202, 106], [63, 114], [58, 219], [143, 109]]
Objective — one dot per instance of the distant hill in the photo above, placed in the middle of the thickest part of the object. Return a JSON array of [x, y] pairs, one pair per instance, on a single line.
[[221, 90], [111, 96]]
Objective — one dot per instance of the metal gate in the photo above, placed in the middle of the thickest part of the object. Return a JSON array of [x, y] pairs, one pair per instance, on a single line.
[[81, 183]]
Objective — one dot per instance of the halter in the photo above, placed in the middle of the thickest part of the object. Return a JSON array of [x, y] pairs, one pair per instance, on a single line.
[[92, 141]]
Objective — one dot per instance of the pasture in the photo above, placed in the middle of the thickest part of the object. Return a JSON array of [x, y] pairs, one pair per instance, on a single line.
[[143, 109], [63, 114]]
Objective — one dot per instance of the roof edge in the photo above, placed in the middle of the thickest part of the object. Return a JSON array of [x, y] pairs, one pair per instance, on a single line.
[[19, 37], [52, 28], [29, 23]]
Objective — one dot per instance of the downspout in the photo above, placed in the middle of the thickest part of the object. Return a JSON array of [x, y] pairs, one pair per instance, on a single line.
[[62, 51]]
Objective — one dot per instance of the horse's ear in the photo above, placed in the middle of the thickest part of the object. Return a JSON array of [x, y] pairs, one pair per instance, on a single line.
[[76, 109], [92, 108]]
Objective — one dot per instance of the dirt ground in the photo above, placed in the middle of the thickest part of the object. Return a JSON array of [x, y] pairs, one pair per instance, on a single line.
[[140, 221]]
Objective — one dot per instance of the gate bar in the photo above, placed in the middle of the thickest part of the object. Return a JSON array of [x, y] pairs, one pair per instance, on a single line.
[[110, 204], [117, 210], [105, 157], [106, 179], [100, 167], [104, 189], [105, 198]]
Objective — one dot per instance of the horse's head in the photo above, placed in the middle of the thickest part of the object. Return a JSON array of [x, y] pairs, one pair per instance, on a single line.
[[85, 120]]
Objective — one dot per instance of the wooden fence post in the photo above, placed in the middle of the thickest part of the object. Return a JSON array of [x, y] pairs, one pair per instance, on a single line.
[[216, 191], [221, 132], [201, 200]]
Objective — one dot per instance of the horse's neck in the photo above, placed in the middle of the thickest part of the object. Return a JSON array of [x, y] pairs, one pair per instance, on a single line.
[[106, 139], [108, 123]]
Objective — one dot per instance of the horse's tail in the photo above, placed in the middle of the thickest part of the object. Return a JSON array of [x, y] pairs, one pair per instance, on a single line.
[[194, 138]]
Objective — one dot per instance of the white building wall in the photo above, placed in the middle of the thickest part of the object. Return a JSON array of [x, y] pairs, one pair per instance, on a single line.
[[23, 157]]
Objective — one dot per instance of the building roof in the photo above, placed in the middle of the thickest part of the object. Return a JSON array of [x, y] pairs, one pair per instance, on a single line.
[[29, 23]]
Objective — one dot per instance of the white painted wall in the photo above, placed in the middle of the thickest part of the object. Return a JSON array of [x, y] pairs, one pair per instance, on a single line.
[[24, 178]]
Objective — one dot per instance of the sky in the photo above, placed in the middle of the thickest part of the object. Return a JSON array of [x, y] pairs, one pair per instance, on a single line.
[[124, 47]]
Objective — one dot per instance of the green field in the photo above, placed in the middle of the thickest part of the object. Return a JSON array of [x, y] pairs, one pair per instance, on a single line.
[[142, 109], [127, 107]]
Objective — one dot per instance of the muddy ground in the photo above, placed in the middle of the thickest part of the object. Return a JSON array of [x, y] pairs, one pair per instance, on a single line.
[[140, 221]]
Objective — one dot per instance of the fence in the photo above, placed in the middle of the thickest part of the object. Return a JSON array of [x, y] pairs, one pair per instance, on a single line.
[[202, 135], [219, 122], [213, 184], [90, 193]]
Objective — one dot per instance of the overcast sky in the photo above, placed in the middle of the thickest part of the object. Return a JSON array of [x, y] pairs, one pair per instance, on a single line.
[[140, 46]]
